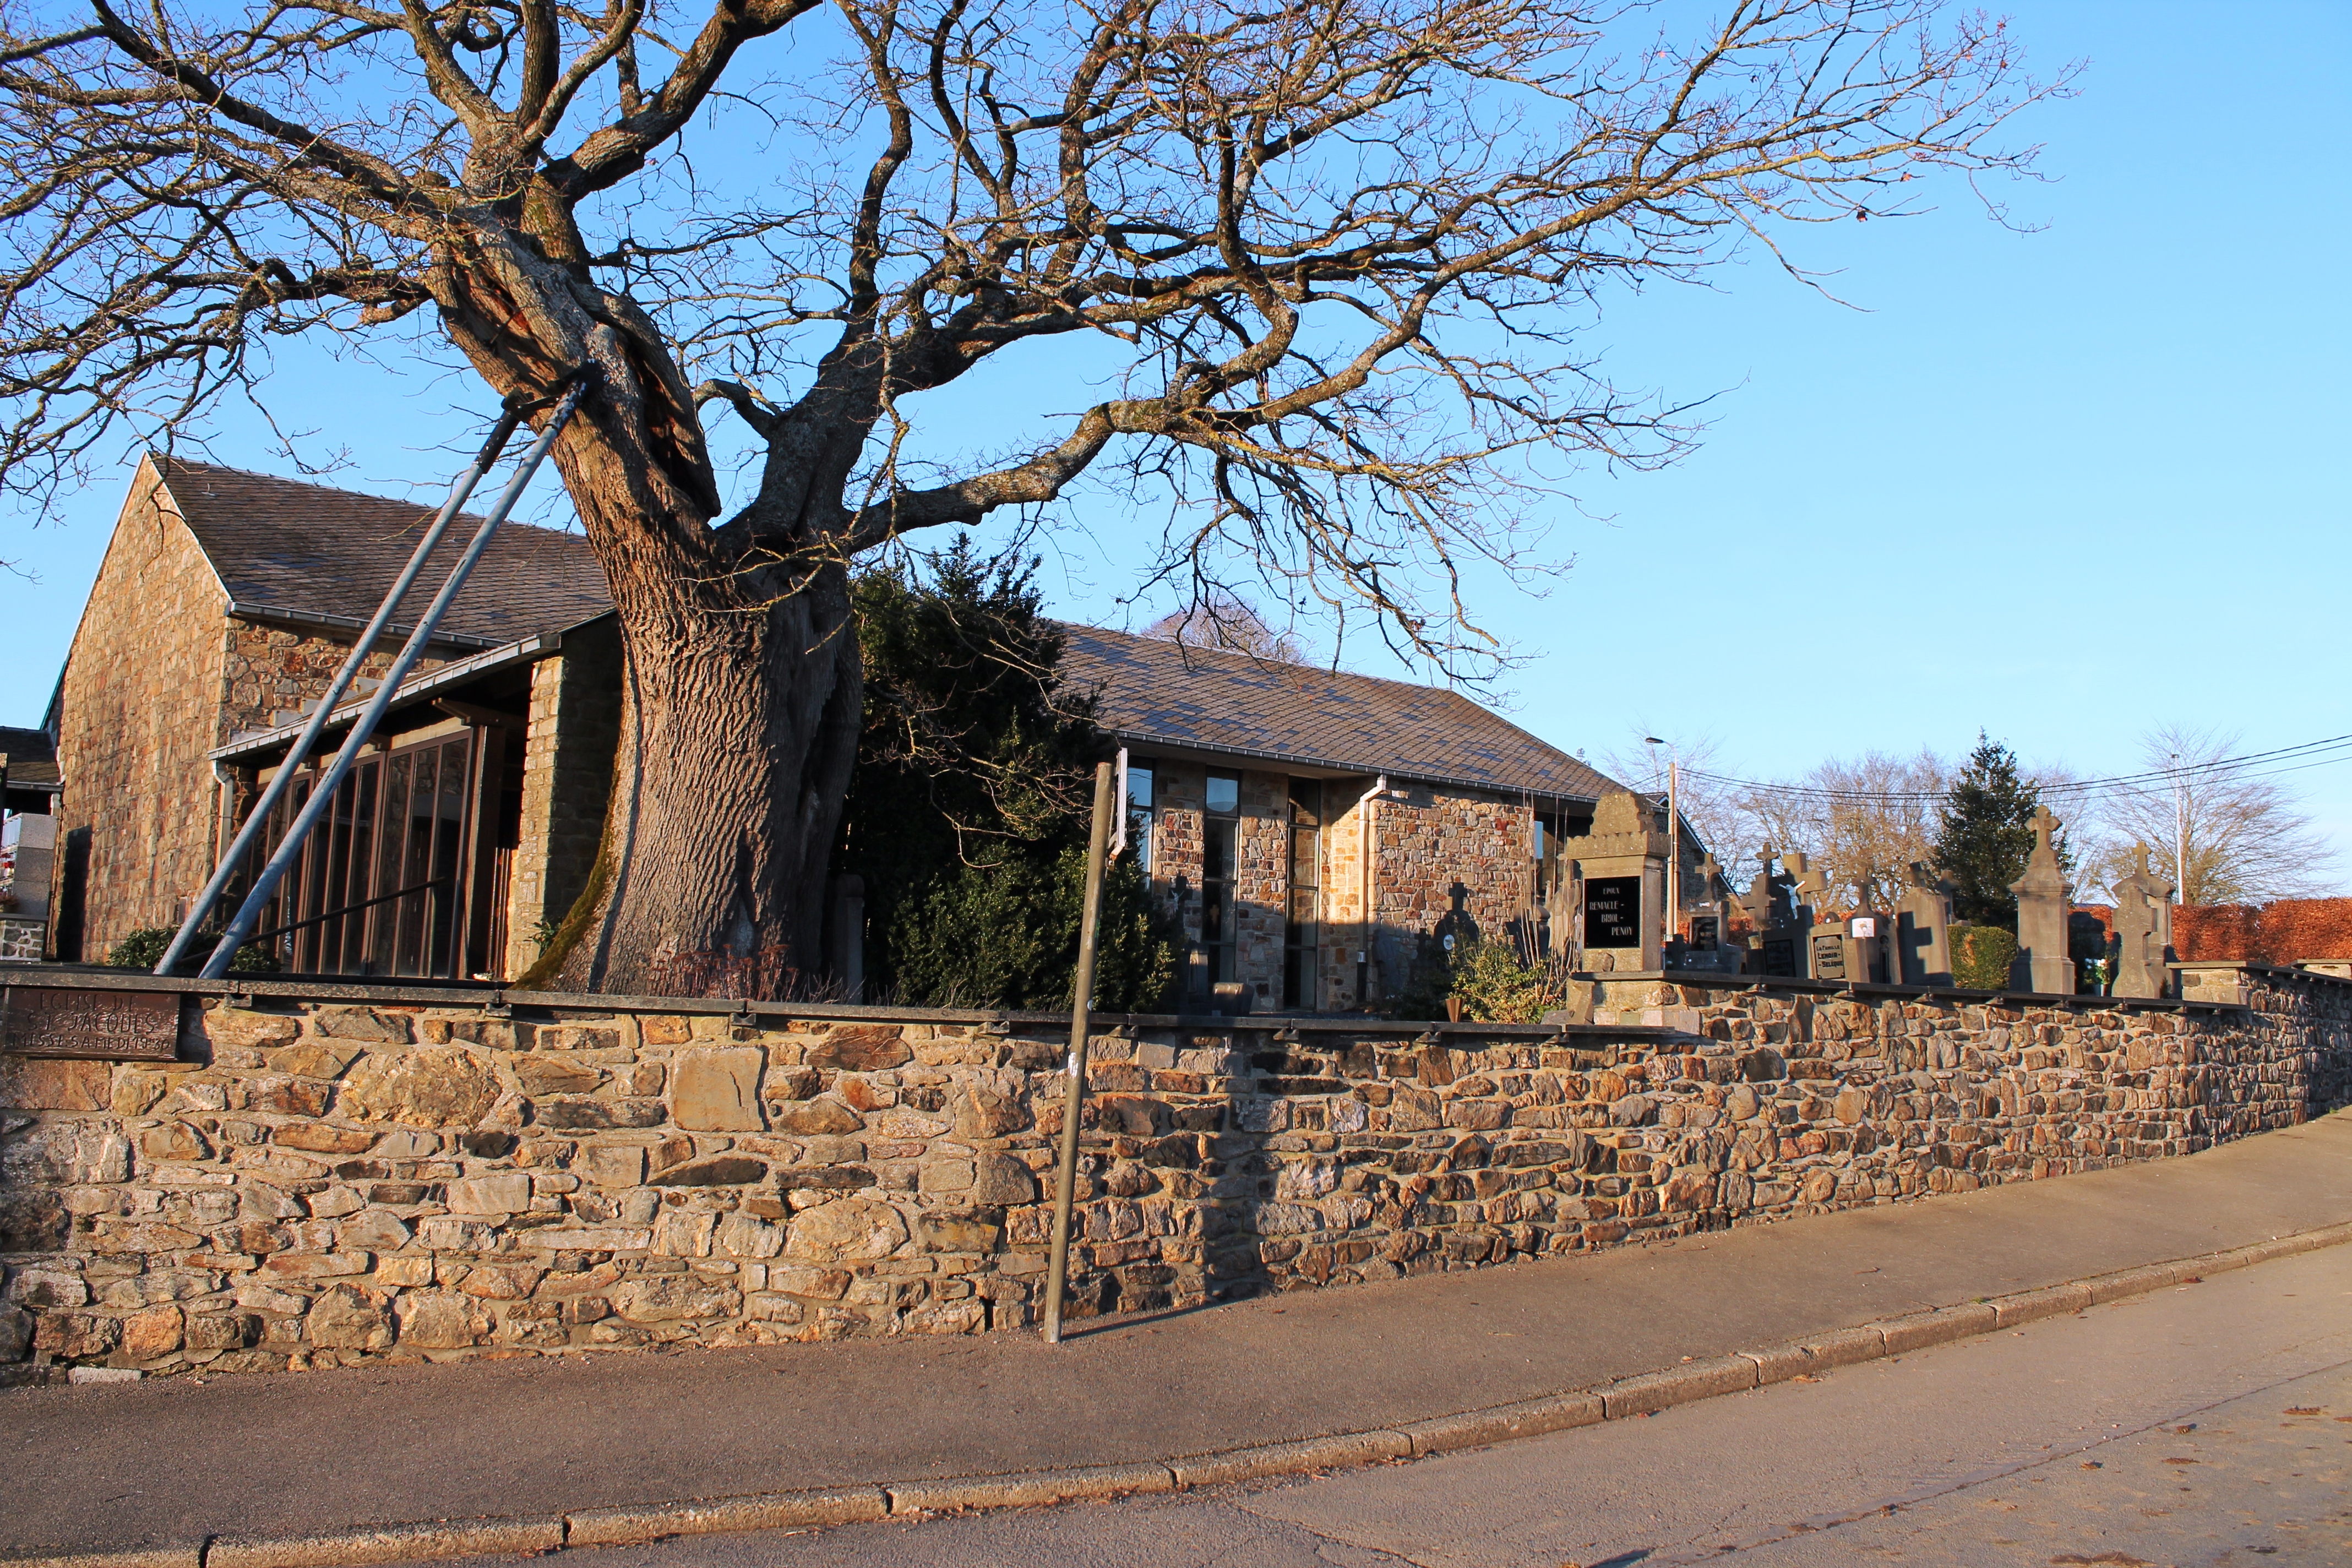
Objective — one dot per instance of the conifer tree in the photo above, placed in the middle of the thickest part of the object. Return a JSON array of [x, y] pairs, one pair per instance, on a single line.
[[1985, 836], [967, 816]]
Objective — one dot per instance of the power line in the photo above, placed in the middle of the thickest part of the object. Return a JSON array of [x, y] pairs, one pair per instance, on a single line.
[[2285, 760]]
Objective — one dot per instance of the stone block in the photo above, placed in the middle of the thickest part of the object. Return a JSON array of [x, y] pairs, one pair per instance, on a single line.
[[740, 1235], [314, 1059], [361, 1023], [345, 1318], [1002, 1179], [815, 1118], [217, 1330], [439, 1319], [506, 1191], [612, 1165], [717, 1090], [172, 1141], [502, 1281], [965, 1233], [433, 1087], [718, 1171], [319, 1139], [41, 1083], [863, 1049], [250, 1028], [590, 1115], [313, 1265], [673, 1298], [846, 1230], [152, 1334], [557, 1075]]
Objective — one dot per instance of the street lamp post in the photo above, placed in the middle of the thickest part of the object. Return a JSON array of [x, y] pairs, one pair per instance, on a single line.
[[2180, 833]]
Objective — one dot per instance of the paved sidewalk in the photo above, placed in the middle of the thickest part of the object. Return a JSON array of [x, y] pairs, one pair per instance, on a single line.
[[174, 1460]]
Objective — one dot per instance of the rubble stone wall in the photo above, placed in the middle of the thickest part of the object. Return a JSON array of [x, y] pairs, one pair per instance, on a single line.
[[341, 1179]]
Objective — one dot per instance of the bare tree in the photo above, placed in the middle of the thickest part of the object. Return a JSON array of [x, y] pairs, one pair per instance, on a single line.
[[2247, 841], [1220, 618], [1335, 251], [1862, 821]]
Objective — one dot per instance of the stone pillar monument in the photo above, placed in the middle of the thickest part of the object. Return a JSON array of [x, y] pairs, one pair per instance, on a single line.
[[1622, 867], [1923, 928], [2043, 903], [2143, 931]]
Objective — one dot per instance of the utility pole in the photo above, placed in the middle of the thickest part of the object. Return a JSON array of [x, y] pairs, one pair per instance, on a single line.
[[1066, 1173], [2180, 833], [1673, 840]]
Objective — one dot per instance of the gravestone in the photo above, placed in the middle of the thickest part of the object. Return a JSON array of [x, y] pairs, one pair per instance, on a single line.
[[2043, 903], [1923, 928], [1622, 864], [2143, 934]]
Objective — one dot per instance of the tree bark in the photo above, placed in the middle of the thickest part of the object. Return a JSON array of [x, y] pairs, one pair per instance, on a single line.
[[739, 727]]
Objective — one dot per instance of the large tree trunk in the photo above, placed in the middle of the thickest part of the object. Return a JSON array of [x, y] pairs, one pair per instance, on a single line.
[[742, 687], [740, 712], [738, 731]]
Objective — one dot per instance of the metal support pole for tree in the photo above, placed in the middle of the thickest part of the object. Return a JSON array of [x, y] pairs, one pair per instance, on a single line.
[[1065, 1175], [257, 822], [282, 859]]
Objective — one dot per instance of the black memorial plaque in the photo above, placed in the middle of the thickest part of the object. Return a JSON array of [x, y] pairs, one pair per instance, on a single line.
[[1780, 956], [1706, 933], [1612, 912], [1829, 958], [100, 1025]]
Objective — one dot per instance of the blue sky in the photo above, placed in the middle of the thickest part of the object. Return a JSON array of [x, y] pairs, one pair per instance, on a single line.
[[2064, 485]]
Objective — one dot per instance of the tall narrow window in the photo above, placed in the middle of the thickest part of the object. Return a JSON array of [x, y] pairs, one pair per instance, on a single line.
[[1139, 816], [1220, 828], [1300, 933]]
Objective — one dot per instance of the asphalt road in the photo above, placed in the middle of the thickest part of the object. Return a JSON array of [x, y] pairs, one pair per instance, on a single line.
[[2208, 1424]]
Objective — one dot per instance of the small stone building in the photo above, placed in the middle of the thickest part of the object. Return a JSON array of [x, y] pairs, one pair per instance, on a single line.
[[224, 605], [1321, 836]]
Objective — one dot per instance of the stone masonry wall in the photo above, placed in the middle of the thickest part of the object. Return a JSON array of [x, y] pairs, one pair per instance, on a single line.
[[405, 1179], [141, 691], [1428, 842], [568, 751]]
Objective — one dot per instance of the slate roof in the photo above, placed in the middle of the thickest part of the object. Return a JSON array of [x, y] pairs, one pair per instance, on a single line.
[[32, 759], [309, 552], [1153, 692]]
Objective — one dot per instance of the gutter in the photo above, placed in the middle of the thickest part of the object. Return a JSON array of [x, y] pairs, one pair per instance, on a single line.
[[253, 611], [1167, 745]]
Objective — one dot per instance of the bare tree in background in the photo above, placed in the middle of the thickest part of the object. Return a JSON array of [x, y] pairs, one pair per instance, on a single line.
[[1333, 254], [1220, 618], [2248, 842], [1861, 821]]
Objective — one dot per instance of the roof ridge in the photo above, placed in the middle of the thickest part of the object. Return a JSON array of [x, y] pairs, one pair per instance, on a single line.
[[1260, 661]]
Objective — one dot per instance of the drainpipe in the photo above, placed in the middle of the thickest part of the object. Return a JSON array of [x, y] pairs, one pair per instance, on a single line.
[[1118, 833], [1365, 882]]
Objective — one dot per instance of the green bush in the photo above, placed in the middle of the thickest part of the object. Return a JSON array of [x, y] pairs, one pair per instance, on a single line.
[[143, 949], [1981, 956], [1495, 987], [1006, 935]]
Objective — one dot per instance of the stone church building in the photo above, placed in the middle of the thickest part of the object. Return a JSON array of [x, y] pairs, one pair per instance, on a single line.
[[1317, 832]]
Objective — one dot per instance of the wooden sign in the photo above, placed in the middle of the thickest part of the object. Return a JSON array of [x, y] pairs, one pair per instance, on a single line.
[[93, 1025]]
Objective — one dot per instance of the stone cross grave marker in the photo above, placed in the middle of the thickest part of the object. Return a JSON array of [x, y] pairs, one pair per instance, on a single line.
[[2043, 903], [2143, 931]]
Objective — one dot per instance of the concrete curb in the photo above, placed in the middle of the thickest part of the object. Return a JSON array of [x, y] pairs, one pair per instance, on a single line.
[[824, 1507]]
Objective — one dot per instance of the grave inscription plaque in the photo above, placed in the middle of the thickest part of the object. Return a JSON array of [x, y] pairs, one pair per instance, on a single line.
[[96, 1026], [1612, 912]]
